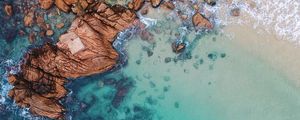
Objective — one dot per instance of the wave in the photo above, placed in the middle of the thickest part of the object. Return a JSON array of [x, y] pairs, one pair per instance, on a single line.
[[278, 17]]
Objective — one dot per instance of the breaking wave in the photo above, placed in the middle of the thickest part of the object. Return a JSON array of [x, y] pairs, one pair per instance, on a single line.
[[278, 17]]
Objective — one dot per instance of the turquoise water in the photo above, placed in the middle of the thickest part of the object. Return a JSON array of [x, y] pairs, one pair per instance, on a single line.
[[216, 80]]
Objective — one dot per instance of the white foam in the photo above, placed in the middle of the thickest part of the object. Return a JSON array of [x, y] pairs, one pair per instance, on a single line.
[[278, 17]]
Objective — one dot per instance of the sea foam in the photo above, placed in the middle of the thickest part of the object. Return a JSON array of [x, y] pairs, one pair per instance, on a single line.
[[278, 17]]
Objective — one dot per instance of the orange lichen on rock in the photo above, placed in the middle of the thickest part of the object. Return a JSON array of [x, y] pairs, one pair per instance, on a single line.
[[84, 50]]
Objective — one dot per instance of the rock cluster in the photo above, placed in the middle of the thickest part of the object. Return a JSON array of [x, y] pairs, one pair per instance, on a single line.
[[85, 49]]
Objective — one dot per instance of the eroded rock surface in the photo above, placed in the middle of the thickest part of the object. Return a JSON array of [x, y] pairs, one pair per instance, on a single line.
[[84, 50]]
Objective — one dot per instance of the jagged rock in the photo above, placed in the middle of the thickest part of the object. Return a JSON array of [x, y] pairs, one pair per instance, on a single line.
[[136, 4], [155, 3], [200, 21], [61, 5], [46, 4], [28, 19], [8, 10], [49, 32], [60, 25], [178, 47], [84, 50]]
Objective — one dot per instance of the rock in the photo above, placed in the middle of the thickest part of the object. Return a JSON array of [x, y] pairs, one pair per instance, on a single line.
[[155, 3], [28, 19], [168, 59], [211, 2], [49, 32], [46, 4], [31, 37], [70, 2], [200, 21], [60, 25], [8, 10], [146, 35], [235, 12], [84, 50], [144, 11], [178, 47], [136, 4], [169, 5], [61, 5], [41, 22]]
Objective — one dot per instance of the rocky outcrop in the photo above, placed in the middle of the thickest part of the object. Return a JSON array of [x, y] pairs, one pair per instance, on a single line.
[[200, 21], [84, 50]]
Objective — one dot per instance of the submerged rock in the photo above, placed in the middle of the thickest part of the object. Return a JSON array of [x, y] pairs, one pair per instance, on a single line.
[[178, 47], [8, 10], [235, 12], [84, 50]]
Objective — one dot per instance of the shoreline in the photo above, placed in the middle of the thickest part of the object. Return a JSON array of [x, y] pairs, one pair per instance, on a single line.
[[280, 54]]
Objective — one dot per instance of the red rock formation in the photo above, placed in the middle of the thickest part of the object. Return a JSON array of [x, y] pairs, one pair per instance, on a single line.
[[200, 21], [84, 50]]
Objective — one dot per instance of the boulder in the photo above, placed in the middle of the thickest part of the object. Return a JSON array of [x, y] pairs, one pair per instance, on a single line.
[[155, 3], [200, 21]]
